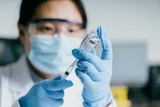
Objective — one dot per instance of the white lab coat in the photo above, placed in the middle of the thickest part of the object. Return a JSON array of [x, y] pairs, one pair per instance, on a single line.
[[16, 81]]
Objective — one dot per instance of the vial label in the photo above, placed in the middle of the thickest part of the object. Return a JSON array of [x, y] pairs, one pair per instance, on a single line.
[[90, 41]]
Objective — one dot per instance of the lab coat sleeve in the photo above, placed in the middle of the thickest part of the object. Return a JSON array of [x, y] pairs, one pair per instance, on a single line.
[[16, 104]]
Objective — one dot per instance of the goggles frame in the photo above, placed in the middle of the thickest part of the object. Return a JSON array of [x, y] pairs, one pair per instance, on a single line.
[[83, 25]]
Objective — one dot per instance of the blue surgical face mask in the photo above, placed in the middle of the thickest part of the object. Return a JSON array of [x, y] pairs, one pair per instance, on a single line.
[[52, 54]]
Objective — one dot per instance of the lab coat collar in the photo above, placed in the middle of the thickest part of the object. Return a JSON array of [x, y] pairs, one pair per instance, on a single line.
[[20, 78]]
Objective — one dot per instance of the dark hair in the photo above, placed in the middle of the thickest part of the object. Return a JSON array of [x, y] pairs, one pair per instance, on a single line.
[[28, 8]]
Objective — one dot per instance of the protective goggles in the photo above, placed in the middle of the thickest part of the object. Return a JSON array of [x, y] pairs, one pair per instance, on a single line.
[[53, 26]]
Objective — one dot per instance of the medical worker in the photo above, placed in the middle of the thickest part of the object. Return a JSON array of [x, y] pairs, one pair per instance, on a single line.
[[51, 31]]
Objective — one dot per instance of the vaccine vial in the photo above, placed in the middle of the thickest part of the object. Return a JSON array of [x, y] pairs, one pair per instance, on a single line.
[[90, 41]]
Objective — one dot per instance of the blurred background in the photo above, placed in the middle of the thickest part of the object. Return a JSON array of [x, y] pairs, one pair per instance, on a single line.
[[134, 29]]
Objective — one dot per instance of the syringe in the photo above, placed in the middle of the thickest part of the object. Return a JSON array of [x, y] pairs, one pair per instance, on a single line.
[[69, 70], [88, 43]]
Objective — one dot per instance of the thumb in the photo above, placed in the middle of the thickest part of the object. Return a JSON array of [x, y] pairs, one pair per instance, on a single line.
[[56, 84], [57, 78]]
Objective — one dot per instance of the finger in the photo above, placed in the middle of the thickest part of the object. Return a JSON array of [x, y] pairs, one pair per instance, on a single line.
[[55, 94], [57, 102], [93, 51], [85, 79], [82, 54], [57, 78], [88, 68], [56, 85], [87, 56], [106, 44]]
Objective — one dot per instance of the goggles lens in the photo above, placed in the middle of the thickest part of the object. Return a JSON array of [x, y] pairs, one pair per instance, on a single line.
[[53, 26]]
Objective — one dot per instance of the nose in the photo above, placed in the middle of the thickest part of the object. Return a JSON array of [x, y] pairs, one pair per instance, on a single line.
[[61, 30]]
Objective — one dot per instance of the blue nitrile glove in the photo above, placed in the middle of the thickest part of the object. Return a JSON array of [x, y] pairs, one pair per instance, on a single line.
[[95, 73], [48, 93]]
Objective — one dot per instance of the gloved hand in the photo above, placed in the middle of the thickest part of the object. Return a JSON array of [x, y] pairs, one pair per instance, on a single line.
[[95, 73], [48, 93]]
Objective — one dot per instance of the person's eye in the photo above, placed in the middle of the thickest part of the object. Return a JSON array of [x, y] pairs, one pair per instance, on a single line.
[[45, 28], [72, 30]]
